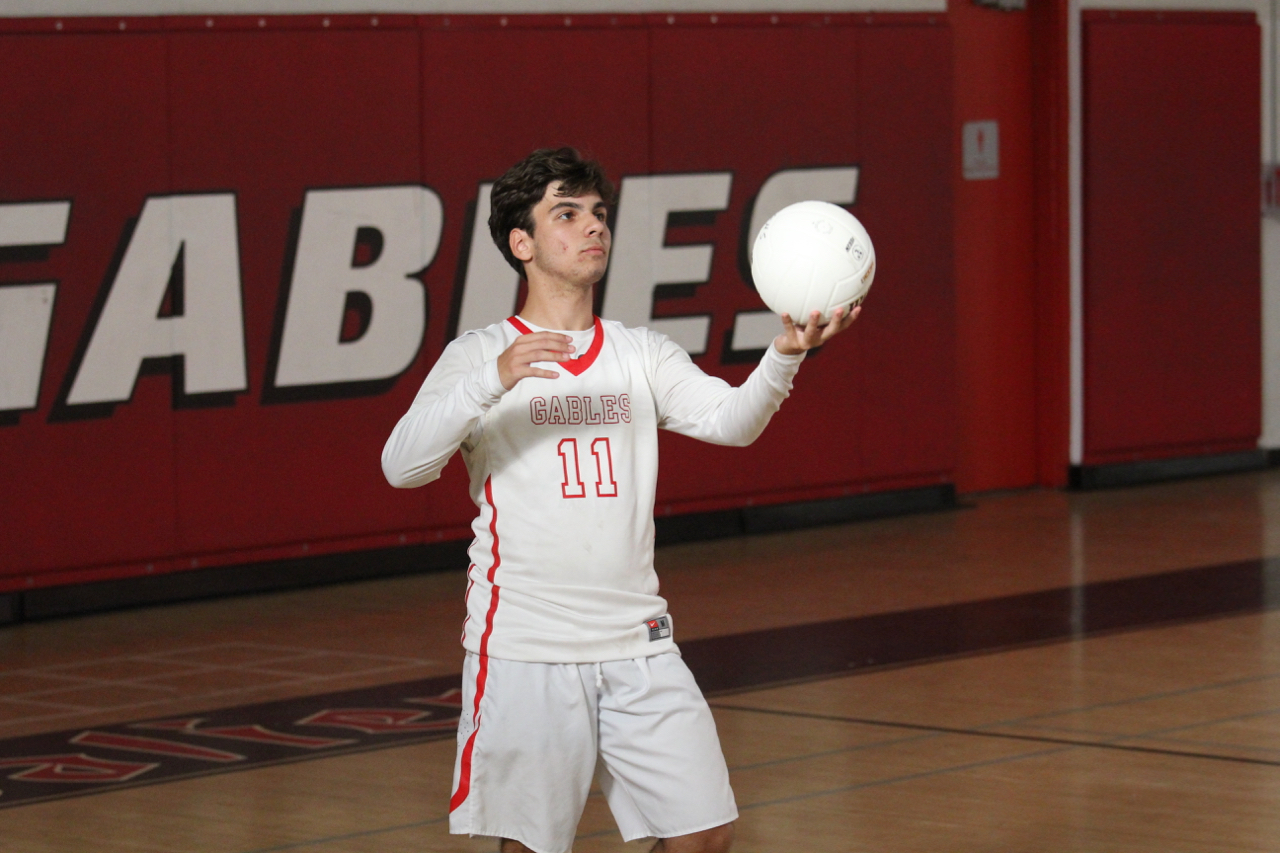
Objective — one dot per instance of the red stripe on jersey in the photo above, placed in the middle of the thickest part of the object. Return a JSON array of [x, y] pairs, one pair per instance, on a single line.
[[574, 365], [466, 600], [577, 365], [464, 774], [493, 526]]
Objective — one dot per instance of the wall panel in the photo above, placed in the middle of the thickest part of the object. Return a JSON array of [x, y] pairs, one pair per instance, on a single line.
[[1172, 323], [84, 118]]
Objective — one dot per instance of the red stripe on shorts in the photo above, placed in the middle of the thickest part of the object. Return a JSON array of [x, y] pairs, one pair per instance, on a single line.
[[464, 776]]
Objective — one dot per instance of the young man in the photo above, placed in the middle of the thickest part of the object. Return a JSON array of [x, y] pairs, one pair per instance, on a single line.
[[570, 656]]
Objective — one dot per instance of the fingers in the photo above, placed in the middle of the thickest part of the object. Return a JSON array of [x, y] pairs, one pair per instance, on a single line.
[[791, 327], [544, 346], [796, 339], [809, 335], [813, 329], [839, 322], [517, 361]]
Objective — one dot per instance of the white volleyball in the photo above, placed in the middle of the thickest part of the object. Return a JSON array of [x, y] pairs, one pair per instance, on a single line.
[[812, 256]]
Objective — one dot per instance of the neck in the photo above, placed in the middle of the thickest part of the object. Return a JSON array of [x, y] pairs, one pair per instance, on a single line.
[[567, 308]]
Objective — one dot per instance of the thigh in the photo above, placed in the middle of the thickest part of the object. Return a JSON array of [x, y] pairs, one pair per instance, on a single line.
[[526, 752], [666, 775]]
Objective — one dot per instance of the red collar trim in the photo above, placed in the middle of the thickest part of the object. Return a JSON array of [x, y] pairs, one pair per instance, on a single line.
[[576, 366]]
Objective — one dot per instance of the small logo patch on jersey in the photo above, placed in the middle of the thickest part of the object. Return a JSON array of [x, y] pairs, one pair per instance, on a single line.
[[660, 628]]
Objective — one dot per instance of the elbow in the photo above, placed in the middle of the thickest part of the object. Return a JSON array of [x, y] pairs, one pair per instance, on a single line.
[[392, 468], [741, 439], [408, 479], [397, 477], [402, 475]]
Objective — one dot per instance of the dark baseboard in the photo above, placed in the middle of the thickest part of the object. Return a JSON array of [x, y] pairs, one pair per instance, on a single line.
[[272, 576], [751, 520], [79, 599], [769, 519], [1160, 470]]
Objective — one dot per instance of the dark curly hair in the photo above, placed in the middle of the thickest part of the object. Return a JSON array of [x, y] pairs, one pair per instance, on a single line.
[[516, 193]]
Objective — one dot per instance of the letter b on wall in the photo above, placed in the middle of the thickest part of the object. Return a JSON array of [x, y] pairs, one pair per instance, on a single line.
[[366, 245]]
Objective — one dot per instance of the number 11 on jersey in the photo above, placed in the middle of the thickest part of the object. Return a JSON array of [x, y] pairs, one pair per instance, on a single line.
[[572, 486]]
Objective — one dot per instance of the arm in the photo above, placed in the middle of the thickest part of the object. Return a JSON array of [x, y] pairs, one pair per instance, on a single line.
[[705, 407], [460, 388]]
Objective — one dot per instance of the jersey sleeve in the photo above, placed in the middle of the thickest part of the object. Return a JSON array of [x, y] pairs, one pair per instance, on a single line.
[[444, 415], [706, 407]]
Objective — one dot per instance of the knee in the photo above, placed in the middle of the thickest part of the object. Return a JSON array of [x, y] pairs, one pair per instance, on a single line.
[[715, 840], [719, 839]]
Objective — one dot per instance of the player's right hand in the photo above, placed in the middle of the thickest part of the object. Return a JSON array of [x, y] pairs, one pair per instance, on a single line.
[[517, 361]]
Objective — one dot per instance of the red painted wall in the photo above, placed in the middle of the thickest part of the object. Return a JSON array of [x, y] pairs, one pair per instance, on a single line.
[[263, 116], [996, 334]]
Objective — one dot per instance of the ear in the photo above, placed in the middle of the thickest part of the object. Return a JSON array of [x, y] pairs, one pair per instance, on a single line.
[[521, 244]]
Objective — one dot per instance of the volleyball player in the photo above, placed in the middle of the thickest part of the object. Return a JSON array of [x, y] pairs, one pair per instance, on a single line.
[[571, 663]]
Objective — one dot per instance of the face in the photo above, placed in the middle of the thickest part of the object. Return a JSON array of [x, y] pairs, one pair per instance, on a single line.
[[570, 240]]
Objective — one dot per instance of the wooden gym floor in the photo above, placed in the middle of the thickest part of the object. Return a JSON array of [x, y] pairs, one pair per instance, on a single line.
[[1038, 671]]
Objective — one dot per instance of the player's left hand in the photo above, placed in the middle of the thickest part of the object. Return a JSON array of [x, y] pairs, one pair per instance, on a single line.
[[797, 339]]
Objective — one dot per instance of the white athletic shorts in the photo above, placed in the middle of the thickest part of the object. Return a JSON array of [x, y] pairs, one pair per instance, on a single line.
[[532, 734]]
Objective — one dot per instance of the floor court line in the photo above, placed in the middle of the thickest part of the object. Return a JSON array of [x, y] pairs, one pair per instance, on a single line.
[[1183, 728], [1024, 721], [827, 753], [906, 777], [1151, 697], [1087, 744]]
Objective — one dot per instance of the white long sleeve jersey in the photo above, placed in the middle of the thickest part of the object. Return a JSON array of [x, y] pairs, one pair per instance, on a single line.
[[563, 472]]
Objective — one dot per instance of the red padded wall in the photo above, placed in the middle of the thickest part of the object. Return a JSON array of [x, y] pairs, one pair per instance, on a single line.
[[268, 110], [254, 125], [84, 118], [1172, 312]]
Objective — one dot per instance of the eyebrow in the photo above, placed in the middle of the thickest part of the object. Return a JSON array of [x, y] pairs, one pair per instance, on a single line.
[[600, 205]]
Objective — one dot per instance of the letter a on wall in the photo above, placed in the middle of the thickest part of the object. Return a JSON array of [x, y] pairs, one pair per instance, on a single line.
[[183, 252]]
